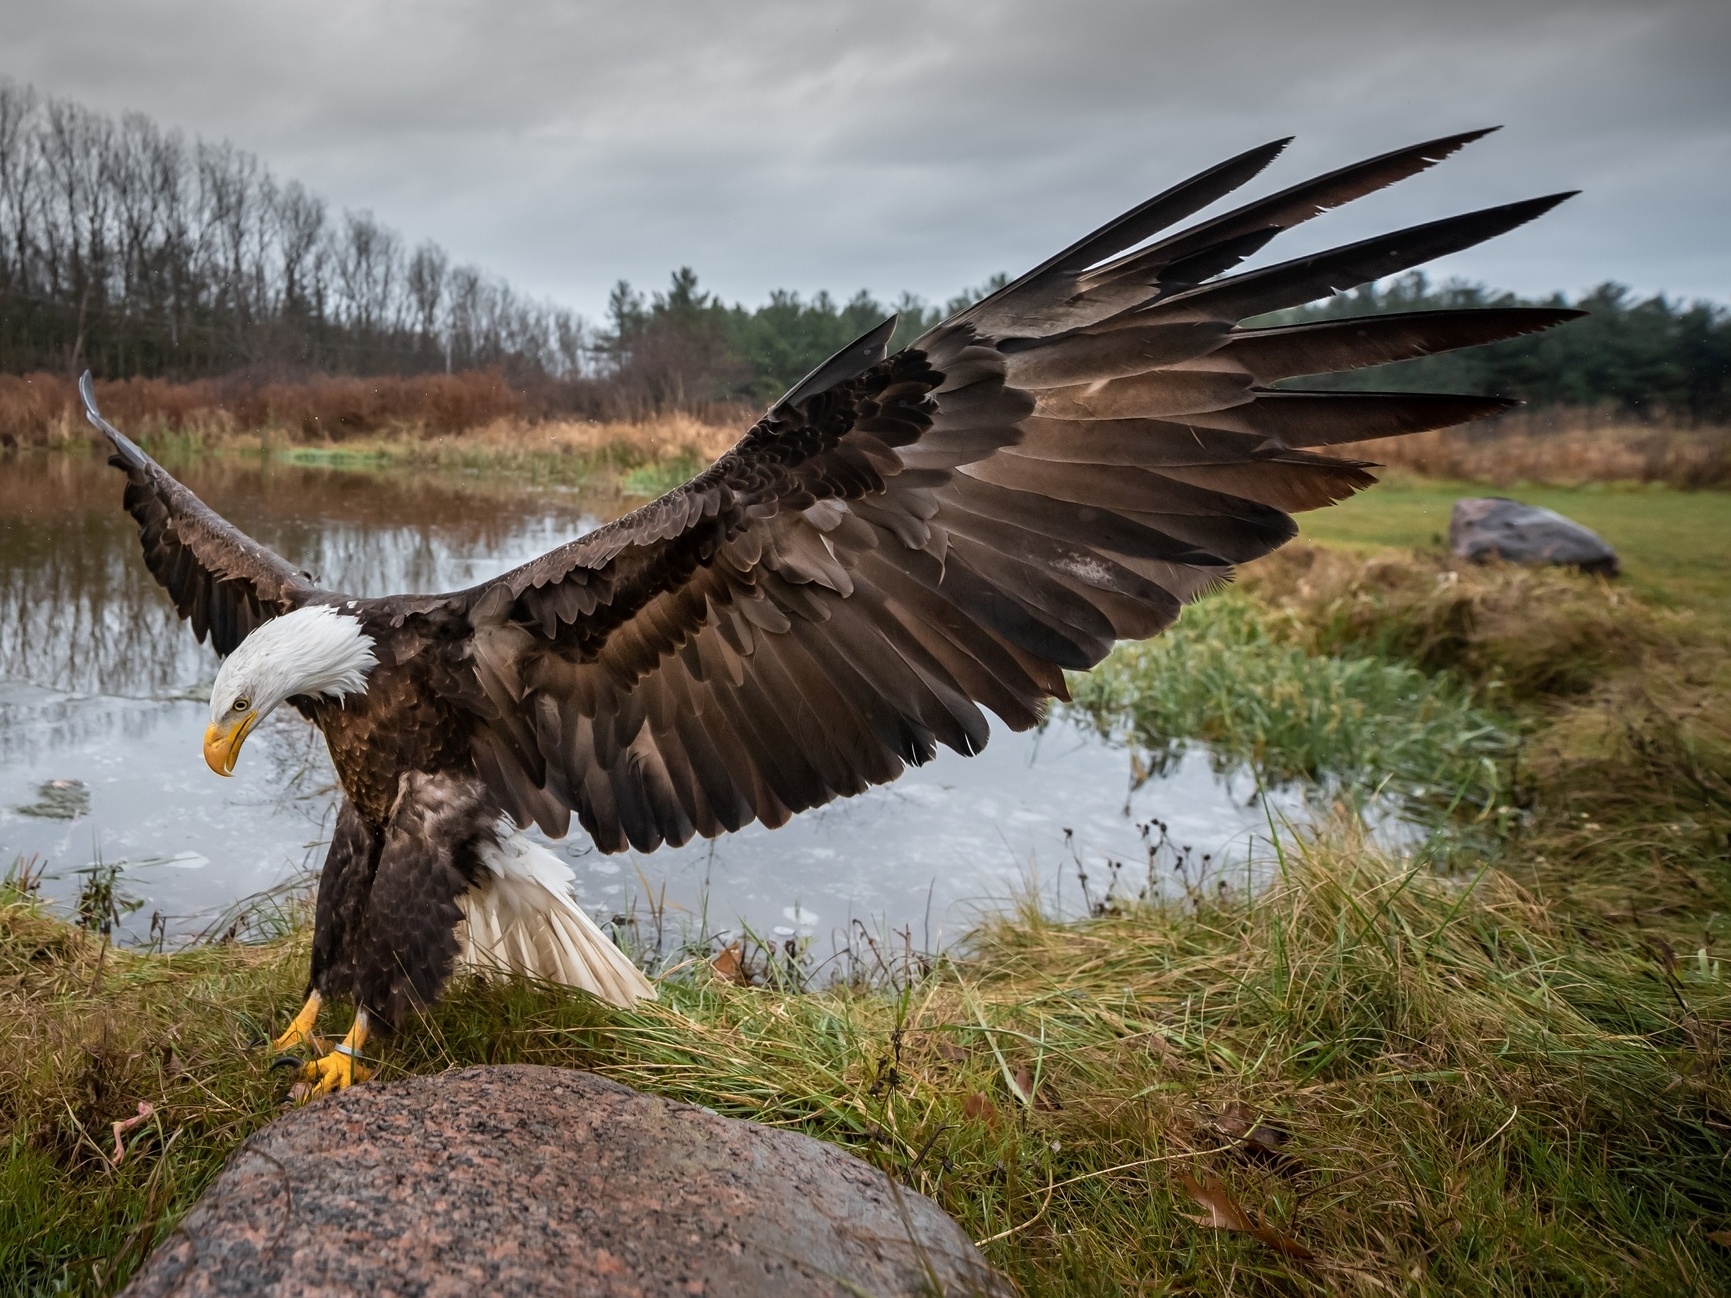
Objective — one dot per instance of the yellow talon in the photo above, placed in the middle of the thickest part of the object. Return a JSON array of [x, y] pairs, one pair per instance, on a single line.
[[300, 1029], [335, 1072], [338, 1070]]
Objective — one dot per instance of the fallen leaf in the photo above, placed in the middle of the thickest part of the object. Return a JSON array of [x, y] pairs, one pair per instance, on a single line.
[[1226, 1213], [729, 964], [1023, 1086], [1283, 1244], [978, 1107], [145, 1109], [955, 1054], [1720, 1237]]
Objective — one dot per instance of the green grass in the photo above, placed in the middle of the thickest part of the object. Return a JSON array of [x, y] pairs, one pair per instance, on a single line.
[[332, 457], [1675, 545], [620, 464], [1228, 675], [1456, 1093], [660, 476], [1583, 737]]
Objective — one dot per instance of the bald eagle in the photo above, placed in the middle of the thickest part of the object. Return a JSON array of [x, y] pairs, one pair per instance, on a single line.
[[898, 543]]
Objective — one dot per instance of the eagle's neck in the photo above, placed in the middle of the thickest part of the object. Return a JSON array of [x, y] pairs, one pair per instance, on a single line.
[[314, 652], [334, 660], [324, 654]]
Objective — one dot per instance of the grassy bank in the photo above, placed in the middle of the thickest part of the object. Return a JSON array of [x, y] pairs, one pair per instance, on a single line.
[[1556, 727], [465, 423], [636, 459], [1405, 1083]]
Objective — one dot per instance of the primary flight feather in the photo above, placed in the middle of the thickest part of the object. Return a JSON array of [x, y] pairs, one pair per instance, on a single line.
[[900, 544]]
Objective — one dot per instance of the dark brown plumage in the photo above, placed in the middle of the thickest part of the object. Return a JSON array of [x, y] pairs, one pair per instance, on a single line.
[[899, 543]]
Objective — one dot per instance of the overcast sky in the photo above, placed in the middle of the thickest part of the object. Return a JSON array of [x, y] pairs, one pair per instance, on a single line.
[[922, 144]]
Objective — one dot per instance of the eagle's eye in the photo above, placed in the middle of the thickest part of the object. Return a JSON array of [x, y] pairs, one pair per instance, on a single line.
[[242, 703]]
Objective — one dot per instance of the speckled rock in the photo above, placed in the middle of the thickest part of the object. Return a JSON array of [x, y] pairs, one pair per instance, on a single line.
[[1482, 527], [523, 1180]]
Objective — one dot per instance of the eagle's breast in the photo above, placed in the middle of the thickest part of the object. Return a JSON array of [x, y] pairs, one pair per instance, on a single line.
[[402, 723]]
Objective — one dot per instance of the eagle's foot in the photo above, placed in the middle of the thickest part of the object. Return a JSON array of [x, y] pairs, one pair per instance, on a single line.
[[300, 1029], [335, 1072], [338, 1070]]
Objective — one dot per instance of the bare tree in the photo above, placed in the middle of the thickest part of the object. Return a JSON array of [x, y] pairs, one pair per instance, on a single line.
[[124, 247], [426, 284]]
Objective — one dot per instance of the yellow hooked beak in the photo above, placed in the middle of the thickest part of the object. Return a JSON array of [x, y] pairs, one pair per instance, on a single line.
[[222, 743]]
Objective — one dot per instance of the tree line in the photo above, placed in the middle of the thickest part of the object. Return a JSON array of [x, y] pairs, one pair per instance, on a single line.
[[1652, 356], [685, 346], [126, 248], [1648, 357], [129, 249], [133, 251]]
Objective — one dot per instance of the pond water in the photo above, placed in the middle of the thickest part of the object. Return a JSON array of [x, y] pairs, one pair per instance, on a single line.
[[103, 706]]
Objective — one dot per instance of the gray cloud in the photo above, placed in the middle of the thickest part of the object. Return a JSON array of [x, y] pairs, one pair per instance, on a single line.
[[810, 144]]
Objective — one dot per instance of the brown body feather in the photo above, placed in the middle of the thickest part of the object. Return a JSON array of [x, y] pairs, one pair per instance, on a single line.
[[900, 542]]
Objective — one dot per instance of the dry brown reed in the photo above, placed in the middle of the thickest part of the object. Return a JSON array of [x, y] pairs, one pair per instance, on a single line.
[[667, 437], [43, 410], [1532, 631], [1563, 447]]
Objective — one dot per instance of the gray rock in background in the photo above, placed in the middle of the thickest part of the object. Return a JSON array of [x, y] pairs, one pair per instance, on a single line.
[[1483, 527], [526, 1180]]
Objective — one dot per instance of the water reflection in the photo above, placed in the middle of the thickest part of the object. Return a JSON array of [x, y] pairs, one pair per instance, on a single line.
[[102, 684], [79, 613]]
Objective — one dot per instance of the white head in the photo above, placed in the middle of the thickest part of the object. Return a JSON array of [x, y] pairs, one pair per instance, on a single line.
[[316, 651]]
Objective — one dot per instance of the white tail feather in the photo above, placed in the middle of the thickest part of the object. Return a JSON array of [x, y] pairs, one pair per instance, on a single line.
[[523, 919]]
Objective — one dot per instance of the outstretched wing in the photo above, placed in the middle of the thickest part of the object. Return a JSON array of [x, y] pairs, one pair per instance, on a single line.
[[222, 581], [902, 541]]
